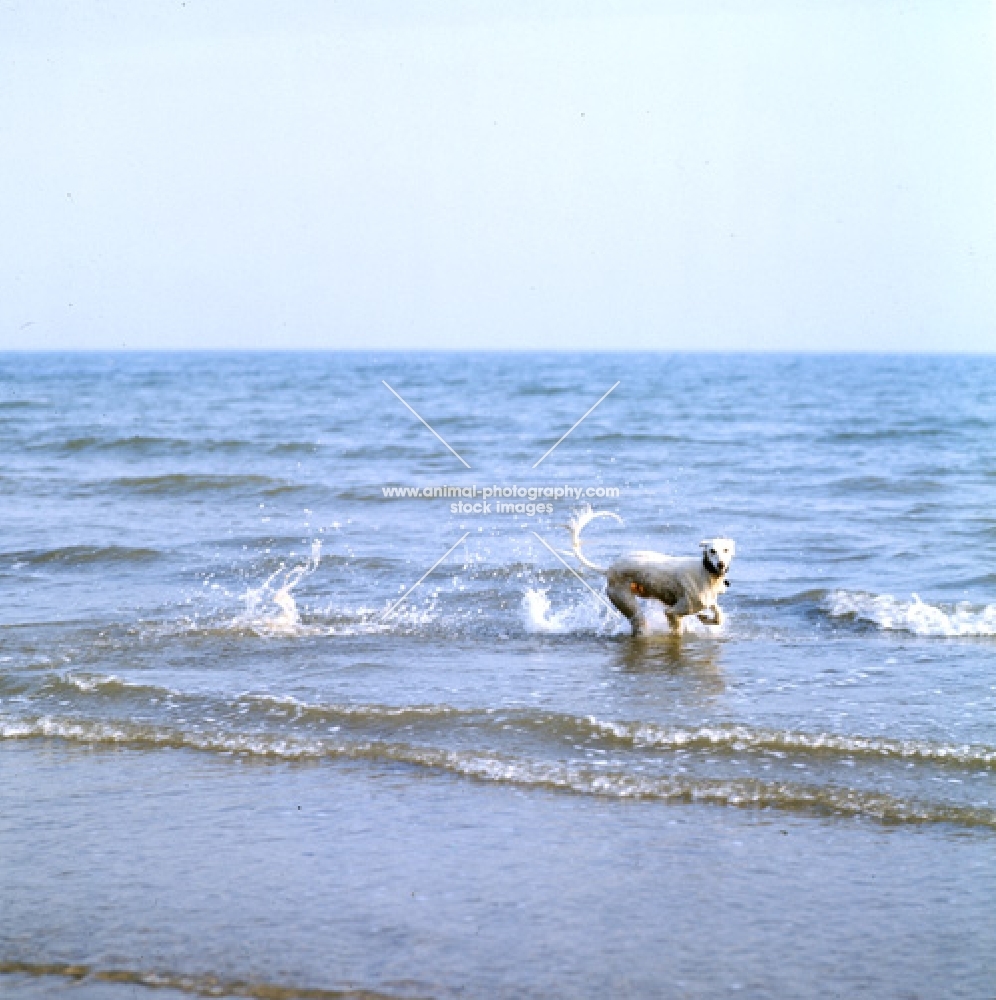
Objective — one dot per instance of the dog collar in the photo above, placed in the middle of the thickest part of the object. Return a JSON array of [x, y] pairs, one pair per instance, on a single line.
[[710, 569]]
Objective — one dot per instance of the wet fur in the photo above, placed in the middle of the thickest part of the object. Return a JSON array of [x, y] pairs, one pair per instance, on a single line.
[[686, 586]]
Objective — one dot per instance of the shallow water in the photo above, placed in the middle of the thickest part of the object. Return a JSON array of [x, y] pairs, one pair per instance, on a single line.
[[230, 766]]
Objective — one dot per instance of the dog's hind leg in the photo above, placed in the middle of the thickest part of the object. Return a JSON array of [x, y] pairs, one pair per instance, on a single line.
[[622, 597], [675, 614]]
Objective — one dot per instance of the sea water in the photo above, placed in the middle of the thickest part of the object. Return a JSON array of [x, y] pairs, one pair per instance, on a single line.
[[244, 751]]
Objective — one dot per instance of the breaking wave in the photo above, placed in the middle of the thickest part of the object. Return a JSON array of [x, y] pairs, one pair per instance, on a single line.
[[915, 615], [739, 739], [730, 738], [488, 766]]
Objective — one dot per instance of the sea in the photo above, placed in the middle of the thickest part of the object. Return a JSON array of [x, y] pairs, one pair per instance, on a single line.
[[290, 707]]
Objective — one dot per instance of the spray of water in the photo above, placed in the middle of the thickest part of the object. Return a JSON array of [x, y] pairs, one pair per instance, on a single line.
[[277, 592]]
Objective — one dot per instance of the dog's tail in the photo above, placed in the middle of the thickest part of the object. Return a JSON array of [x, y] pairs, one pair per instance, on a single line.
[[578, 522]]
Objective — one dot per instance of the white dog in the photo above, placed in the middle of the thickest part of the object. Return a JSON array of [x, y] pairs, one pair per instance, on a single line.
[[685, 586]]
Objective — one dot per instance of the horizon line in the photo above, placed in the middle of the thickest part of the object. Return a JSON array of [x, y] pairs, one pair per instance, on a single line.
[[810, 351]]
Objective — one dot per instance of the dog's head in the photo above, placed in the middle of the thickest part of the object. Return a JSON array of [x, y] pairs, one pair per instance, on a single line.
[[717, 554]]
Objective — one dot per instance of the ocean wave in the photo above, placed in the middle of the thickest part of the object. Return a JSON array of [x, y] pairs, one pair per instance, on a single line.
[[137, 442], [246, 706], [914, 616], [298, 709], [197, 985], [21, 404], [147, 444], [733, 739], [748, 793], [743, 739], [851, 484], [175, 484], [106, 685], [901, 432], [82, 555], [302, 717]]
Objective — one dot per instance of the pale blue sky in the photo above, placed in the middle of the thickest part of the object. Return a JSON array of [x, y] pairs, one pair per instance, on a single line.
[[729, 175]]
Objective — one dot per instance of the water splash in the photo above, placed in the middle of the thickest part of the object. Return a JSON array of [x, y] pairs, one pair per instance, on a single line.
[[586, 615], [589, 615], [278, 591], [271, 609]]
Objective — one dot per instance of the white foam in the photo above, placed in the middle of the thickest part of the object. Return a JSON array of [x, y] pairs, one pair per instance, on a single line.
[[90, 683], [93, 682], [915, 615], [739, 738], [590, 615]]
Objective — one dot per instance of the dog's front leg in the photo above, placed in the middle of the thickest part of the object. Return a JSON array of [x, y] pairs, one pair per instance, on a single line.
[[716, 619]]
